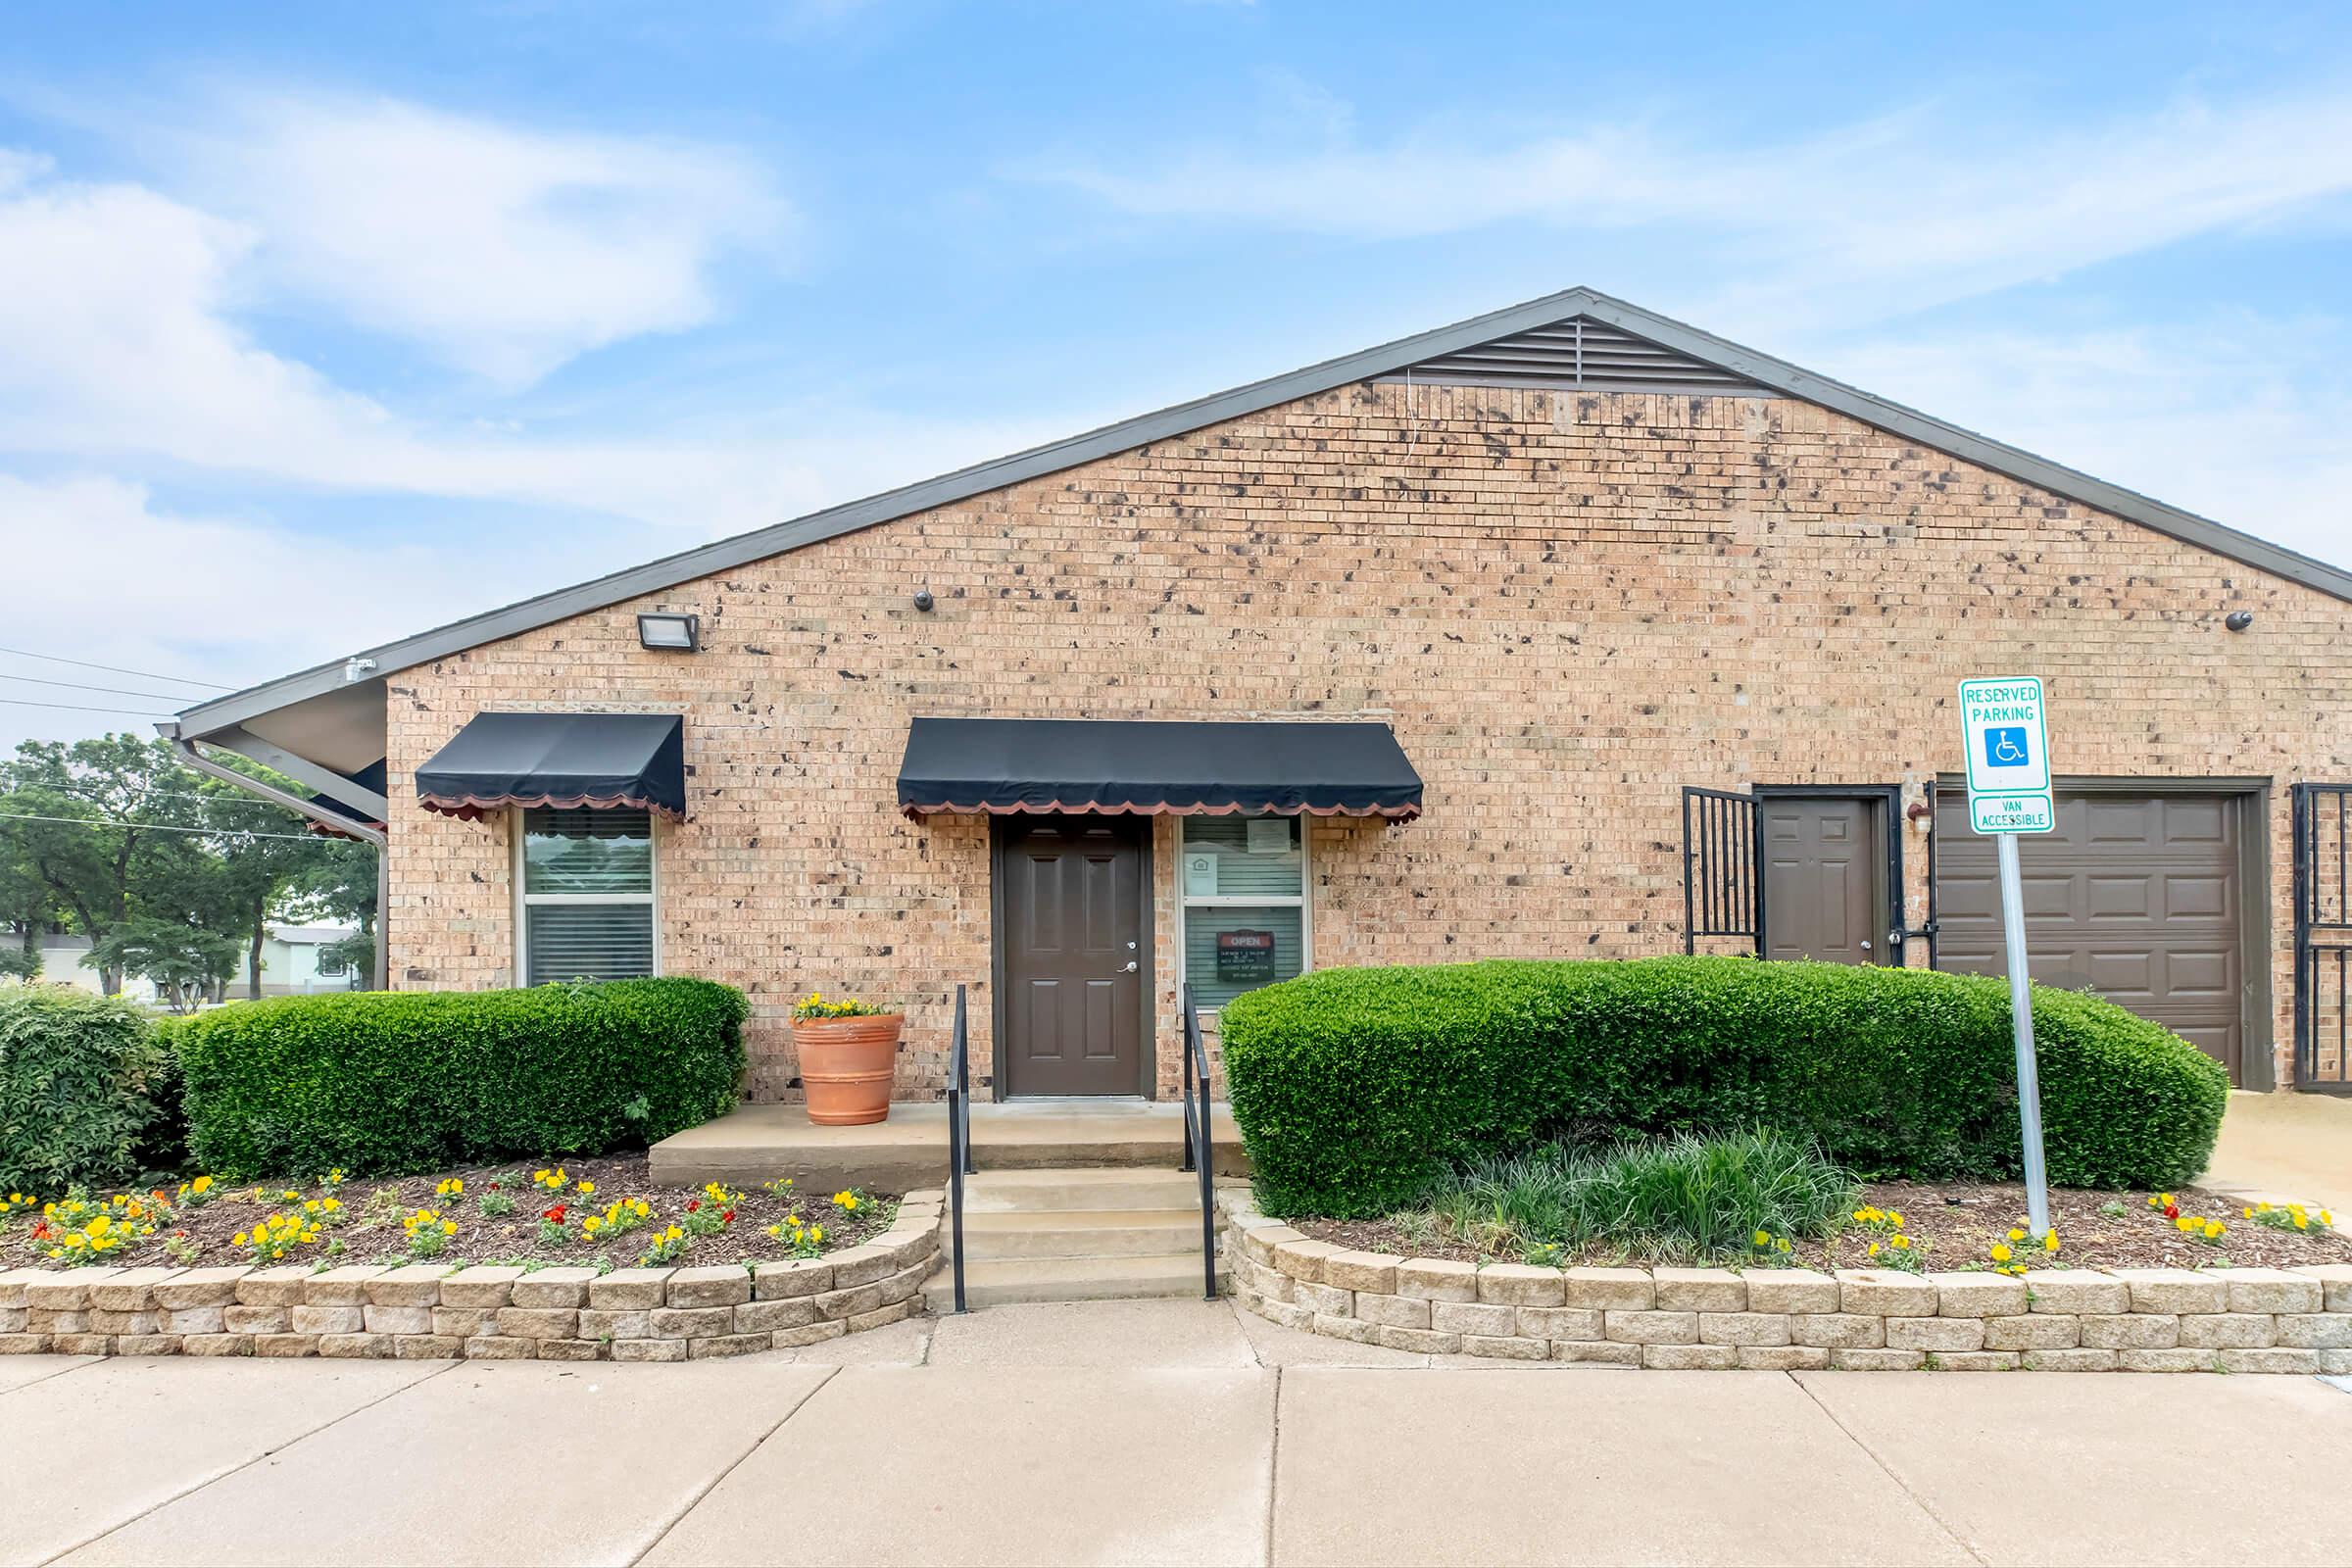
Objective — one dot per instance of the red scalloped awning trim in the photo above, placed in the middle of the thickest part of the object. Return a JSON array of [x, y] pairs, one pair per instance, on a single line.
[[325, 832], [474, 808]]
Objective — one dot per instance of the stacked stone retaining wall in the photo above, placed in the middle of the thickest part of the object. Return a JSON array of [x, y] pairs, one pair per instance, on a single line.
[[1791, 1319], [440, 1311]]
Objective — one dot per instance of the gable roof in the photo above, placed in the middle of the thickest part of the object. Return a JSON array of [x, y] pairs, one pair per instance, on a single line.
[[1698, 361]]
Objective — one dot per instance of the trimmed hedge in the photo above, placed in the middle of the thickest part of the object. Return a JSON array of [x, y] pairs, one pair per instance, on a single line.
[[87, 1093], [1356, 1088], [392, 1082]]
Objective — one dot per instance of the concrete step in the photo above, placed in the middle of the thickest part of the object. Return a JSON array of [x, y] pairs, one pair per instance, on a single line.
[[1045, 1191], [1070, 1279], [1080, 1233], [754, 1143]]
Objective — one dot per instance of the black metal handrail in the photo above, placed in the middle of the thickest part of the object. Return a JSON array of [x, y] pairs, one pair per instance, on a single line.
[[1199, 1149], [960, 1142]]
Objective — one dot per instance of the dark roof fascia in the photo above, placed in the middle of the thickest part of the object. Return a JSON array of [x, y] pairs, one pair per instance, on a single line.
[[1774, 374]]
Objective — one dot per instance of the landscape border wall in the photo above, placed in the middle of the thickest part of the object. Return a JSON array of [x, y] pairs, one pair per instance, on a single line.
[[1791, 1319], [437, 1311]]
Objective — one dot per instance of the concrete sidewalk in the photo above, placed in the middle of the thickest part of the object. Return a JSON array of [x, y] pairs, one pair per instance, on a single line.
[[1152, 1432], [2285, 1148]]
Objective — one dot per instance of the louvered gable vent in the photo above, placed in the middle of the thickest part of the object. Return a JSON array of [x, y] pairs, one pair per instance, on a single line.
[[1579, 354]]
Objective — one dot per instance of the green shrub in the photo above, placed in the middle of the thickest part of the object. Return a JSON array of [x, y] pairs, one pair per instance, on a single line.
[[86, 1091], [1684, 1199], [383, 1083], [1356, 1087]]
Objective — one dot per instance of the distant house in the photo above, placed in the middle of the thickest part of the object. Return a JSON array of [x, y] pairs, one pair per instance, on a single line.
[[61, 965], [294, 961], [292, 964]]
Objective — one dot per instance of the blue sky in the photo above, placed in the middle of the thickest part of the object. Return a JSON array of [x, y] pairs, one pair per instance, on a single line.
[[320, 326]]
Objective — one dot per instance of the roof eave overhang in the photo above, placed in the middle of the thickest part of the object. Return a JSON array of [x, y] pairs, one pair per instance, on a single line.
[[1774, 374]]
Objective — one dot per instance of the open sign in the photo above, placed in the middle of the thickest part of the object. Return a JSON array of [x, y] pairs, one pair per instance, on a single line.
[[1245, 957]]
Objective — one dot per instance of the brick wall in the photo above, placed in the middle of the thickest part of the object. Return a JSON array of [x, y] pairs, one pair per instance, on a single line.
[[1568, 606]]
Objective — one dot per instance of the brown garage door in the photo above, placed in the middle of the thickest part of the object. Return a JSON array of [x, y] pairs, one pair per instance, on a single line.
[[2134, 896]]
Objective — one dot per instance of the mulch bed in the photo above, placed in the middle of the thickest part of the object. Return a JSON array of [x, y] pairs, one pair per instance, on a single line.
[[1955, 1225], [373, 1210]]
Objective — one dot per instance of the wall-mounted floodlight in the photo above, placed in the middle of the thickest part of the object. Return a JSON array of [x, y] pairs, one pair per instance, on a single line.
[[676, 634]]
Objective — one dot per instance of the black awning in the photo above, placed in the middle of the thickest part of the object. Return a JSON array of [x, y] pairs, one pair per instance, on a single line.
[[567, 759], [1155, 766]]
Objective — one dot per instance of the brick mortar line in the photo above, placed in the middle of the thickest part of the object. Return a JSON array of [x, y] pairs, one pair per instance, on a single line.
[[1888, 1470], [758, 1444], [438, 1368]]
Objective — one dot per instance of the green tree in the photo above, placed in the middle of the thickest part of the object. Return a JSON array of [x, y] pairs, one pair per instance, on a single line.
[[112, 831], [106, 825], [28, 908], [185, 963], [318, 875]]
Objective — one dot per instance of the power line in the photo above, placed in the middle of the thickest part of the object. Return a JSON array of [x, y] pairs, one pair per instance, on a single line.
[[74, 685], [221, 799], [84, 707], [145, 796], [117, 669], [149, 827]]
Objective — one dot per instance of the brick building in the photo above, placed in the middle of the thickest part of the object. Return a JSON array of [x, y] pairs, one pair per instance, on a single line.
[[1635, 640]]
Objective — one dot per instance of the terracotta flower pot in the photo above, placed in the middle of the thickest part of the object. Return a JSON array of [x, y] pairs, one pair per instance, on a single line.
[[847, 1065]]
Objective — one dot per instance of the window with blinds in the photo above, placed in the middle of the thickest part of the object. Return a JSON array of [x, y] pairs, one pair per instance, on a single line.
[[586, 910], [1242, 892]]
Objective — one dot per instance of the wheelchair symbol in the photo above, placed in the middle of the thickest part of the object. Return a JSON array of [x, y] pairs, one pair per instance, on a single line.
[[2005, 747]]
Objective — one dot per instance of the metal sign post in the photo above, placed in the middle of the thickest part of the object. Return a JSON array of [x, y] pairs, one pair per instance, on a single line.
[[2007, 746], [2021, 1025]]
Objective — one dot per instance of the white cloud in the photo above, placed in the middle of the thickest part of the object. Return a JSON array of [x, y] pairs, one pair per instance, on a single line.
[[110, 578], [118, 341], [1929, 205], [503, 251]]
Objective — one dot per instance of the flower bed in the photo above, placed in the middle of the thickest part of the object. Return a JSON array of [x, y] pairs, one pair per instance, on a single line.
[[603, 1213], [1943, 1225], [1785, 1318], [438, 1309]]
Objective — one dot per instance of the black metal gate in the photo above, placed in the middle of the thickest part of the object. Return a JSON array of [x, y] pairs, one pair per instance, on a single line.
[[2322, 935], [1722, 868]]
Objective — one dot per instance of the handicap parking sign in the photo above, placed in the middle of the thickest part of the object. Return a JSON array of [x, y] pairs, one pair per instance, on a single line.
[[2007, 750], [2005, 745]]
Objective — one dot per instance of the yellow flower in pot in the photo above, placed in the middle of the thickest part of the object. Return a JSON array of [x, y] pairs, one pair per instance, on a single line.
[[849, 1052]]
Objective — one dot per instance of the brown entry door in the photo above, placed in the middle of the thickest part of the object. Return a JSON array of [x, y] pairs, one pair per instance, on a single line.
[[1077, 959], [1824, 878]]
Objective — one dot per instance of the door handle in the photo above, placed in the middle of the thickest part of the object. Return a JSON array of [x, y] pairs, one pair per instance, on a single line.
[[1130, 969], [1866, 944]]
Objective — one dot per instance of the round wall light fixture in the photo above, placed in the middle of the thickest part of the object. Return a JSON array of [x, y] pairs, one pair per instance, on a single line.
[[2238, 620], [923, 600]]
